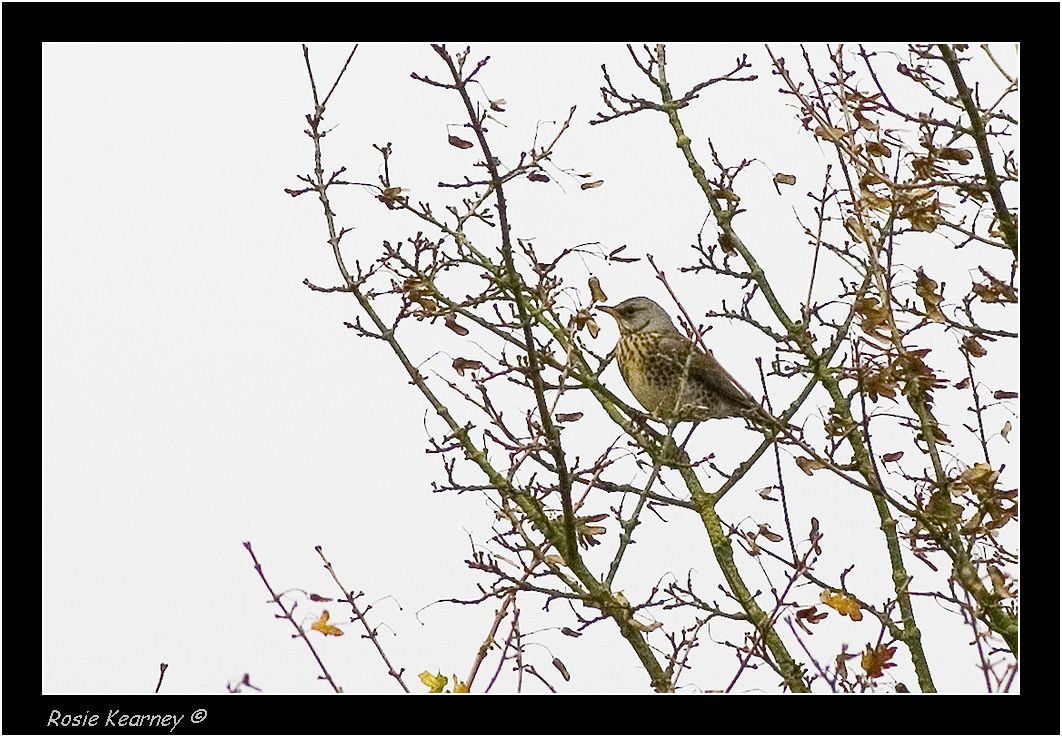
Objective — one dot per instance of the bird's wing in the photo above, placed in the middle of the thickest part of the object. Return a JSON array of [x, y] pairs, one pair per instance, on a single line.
[[703, 368]]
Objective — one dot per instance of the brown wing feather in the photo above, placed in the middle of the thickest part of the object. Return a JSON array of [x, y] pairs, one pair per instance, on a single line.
[[703, 368]]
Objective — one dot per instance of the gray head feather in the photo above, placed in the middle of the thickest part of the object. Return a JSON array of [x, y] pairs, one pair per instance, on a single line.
[[640, 314]]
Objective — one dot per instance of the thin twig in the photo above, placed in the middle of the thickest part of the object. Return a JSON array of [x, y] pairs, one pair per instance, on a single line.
[[162, 673], [286, 614], [370, 632]]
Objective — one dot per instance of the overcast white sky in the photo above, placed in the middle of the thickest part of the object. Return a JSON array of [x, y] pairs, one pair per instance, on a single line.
[[197, 395]]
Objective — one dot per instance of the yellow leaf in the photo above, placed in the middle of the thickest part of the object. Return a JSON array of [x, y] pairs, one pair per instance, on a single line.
[[460, 686], [322, 626], [844, 605], [434, 683]]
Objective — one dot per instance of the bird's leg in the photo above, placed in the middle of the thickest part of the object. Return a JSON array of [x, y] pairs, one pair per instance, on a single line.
[[682, 448], [669, 453], [676, 455], [672, 454]]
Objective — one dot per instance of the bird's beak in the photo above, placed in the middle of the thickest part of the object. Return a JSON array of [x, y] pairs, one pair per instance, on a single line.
[[608, 310]]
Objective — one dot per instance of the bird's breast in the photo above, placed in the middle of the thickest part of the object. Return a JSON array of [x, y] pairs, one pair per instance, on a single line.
[[650, 380]]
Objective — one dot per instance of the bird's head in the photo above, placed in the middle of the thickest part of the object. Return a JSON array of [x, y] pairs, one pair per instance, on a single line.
[[638, 315]]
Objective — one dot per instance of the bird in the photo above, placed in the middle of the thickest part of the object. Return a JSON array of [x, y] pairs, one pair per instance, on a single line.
[[670, 375]]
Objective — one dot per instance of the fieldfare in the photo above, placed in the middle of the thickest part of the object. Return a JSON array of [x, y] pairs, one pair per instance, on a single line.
[[669, 375]]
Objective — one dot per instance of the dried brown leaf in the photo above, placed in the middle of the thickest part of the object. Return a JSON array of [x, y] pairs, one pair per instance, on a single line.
[[999, 583], [973, 347], [568, 416], [874, 148], [765, 531], [829, 133], [855, 228], [865, 122], [453, 325], [726, 242], [960, 155], [765, 493], [926, 288], [642, 627], [876, 659], [466, 364], [597, 294], [809, 465]]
